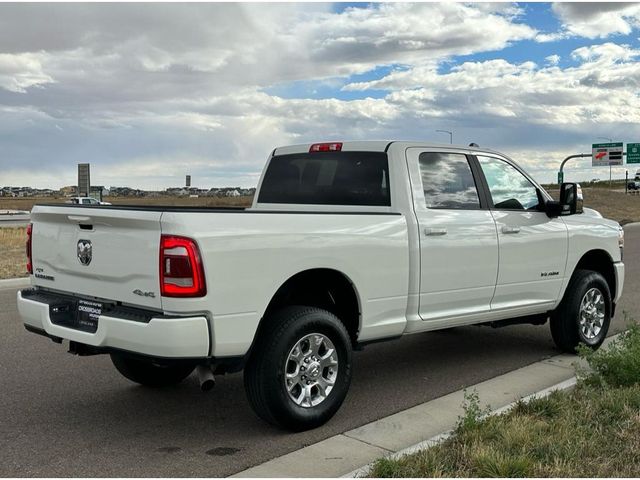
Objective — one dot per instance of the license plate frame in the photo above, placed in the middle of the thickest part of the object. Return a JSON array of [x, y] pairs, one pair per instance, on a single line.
[[87, 315]]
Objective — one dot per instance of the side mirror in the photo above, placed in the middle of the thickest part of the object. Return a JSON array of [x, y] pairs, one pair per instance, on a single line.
[[552, 208], [571, 199]]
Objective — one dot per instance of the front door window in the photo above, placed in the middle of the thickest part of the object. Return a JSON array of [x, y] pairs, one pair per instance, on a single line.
[[510, 189]]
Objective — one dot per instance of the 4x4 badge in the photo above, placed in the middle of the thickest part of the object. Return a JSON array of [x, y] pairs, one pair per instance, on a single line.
[[85, 252]]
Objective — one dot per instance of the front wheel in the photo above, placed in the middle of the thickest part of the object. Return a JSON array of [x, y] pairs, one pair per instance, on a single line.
[[300, 370], [584, 315], [151, 373]]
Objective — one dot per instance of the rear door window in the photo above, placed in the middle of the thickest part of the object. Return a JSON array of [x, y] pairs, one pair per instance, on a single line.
[[447, 181], [327, 178]]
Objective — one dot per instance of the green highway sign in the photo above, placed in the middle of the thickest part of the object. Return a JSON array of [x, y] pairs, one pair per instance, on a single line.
[[633, 152], [606, 154]]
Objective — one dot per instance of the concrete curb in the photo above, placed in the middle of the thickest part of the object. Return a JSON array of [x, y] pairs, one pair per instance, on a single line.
[[15, 283], [353, 452], [364, 471]]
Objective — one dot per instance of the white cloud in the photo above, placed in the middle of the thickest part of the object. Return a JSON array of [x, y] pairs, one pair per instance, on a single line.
[[552, 111], [18, 72], [605, 80], [147, 93], [597, 20], [553, 59], [606, 52], [130, 85], [550, 37], [401, 32]]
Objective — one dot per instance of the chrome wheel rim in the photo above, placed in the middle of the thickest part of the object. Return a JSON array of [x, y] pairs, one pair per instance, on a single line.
[[592, 312], [311, 369]]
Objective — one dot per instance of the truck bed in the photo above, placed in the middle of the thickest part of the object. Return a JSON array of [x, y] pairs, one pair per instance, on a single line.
[[196, 209]]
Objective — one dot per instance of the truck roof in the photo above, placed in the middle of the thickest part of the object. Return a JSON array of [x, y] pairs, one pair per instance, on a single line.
[[376, 146]]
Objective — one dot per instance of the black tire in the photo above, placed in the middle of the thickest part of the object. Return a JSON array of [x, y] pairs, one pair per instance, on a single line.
[[151, 373], [565, 320], [264, 374]]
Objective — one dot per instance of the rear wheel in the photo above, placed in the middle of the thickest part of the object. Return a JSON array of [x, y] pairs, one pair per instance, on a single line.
[[152, 373], [300, 370], [584, 315]]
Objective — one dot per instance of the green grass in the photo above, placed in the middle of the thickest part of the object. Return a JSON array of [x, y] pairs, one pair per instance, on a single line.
[[591, 431], [616, 366]]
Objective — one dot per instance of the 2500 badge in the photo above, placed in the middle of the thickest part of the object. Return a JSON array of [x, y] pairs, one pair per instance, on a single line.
[[549, 274]]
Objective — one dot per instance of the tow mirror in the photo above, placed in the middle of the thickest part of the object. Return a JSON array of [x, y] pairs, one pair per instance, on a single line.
[[571, 199], [552, 208]]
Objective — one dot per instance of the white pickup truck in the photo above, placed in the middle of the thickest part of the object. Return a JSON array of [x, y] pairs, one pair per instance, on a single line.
[[86, 201], [345, 244]]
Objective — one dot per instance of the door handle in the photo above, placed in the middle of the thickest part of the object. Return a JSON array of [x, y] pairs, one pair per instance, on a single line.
[[435, 231], [508, 230]]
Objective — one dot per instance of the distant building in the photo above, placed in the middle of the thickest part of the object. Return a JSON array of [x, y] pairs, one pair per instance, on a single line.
[[98, 191], [126, 192], [69, 191], [84, 179]]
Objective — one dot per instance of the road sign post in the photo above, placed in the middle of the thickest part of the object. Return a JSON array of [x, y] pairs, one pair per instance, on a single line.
[[626, 182], [578, 155], [606, 155]]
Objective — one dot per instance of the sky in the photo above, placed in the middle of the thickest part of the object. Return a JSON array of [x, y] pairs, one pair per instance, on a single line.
[[150, 92]]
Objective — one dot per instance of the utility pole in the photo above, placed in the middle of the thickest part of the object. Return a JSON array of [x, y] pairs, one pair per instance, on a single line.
[[450, 135], [610, 141]]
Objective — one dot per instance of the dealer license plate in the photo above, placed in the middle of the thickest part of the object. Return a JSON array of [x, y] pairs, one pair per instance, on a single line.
[[88, 314]]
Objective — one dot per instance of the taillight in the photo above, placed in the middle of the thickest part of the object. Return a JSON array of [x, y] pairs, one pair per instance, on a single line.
[[29, 248], [181, 272], [326, 147]]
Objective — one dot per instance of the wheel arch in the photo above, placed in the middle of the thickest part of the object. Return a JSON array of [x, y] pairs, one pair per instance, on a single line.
[[600, 261], [325, 288]]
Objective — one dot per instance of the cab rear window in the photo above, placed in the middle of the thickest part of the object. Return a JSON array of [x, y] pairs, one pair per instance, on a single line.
[[327, 178]]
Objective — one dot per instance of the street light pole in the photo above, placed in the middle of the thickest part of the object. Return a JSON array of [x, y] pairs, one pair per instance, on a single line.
[[578, 155], [450, 135]]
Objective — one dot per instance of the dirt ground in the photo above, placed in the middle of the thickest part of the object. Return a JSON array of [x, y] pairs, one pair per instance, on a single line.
[[28, 203], [12, 239], [611, 203], [13, 260]]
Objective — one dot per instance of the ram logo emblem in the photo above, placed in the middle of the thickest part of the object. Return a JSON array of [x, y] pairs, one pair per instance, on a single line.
[[85, 252]]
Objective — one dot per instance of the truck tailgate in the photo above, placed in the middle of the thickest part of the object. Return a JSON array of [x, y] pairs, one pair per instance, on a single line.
[[98, 252]]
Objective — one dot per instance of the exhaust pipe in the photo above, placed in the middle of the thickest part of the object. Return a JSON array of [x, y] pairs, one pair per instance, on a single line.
[[205, 377]]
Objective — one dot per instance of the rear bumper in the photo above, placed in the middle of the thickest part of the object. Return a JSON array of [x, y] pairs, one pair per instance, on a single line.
[[166, 337]]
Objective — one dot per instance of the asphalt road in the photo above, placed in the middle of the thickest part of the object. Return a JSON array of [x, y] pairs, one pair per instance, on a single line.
[[62, 415]]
